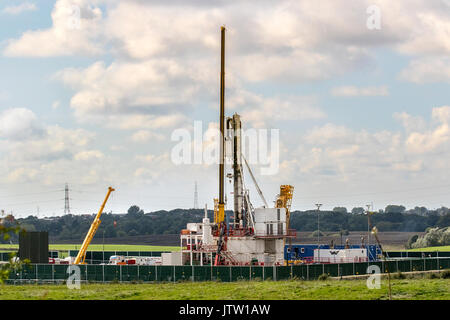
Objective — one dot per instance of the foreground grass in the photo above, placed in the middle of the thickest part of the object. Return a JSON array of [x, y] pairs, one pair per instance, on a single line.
[[99, 247], [417, 289], [442, 248]]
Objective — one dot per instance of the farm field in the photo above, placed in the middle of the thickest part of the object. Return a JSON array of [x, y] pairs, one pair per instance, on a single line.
[[99, 247], [406, 289], [432, 249]]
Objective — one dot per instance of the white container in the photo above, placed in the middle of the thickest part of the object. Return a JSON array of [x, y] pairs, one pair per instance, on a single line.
[[340, 256]]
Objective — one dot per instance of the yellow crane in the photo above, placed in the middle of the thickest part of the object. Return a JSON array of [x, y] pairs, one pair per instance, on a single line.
[[94, 226], [284, 200]]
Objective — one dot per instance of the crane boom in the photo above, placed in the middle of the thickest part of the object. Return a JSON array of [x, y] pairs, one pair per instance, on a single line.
[[256, 184], [93, 229]]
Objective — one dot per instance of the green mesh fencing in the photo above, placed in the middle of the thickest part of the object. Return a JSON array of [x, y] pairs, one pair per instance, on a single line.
[[95, 272], [45, 271], [361, 268], [390, 265], [257, 273], [239, 273], [132, 273], [165, 273], [314, 271], [444, 263], [60, 272], [29, 272], [202, 273], [417, 265], [112, 273], [431, 264], [283, 273], [269, 273], [183, 273], [300, 272], [404, 265], [346, 269], [222, 273]]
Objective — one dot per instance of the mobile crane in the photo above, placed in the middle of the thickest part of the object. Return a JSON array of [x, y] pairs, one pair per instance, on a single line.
[[94, 226]]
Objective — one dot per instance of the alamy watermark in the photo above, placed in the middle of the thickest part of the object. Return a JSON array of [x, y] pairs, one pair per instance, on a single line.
[[260, 147], [73, 13], [374, 280], [374, 19], [74, 279]]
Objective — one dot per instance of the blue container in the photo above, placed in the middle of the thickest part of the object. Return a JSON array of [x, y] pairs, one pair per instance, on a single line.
[[306, 251]]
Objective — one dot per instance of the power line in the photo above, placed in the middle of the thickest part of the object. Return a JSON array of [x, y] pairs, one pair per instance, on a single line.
[[66, 200]]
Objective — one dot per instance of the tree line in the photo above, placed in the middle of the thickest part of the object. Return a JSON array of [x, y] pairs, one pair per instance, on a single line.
[[135, 222]]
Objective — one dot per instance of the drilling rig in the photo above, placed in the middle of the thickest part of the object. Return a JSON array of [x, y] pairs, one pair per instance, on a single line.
[[249, 235]]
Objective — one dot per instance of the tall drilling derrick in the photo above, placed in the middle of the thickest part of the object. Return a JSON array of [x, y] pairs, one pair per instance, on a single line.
[[222, 130]]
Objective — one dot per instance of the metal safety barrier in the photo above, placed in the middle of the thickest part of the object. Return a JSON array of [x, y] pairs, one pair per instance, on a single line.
[[45, 273]]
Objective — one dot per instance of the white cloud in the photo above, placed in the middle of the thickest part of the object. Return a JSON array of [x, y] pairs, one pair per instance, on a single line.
[[88, 155], [56, 105], [333, 154], [260, 111], [17, 9], [75, 26], [19, 124], [133, 95], [432, 139], [352, 91], [21, 175], [143, 136], [426, 70]]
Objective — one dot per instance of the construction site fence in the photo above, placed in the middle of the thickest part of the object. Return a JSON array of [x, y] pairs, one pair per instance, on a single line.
[[5, 256], [52, 273], [92, 257], [418, 254], [98, 257]]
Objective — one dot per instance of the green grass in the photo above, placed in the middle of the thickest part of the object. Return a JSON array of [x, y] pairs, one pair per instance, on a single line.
[[418, 289], [442, 248], [99, 247]]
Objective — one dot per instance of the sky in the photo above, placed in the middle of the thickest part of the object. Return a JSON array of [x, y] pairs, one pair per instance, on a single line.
[[95, 93]]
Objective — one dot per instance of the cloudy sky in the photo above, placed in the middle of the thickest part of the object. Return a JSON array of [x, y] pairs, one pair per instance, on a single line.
[[92, 91]]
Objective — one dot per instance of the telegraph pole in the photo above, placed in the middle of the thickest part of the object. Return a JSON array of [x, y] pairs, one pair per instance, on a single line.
[[368, 225], [195, 196]]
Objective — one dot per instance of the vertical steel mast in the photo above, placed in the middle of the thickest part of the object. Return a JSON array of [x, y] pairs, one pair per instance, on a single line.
[[222, 128], [237, 171], [221, 204]]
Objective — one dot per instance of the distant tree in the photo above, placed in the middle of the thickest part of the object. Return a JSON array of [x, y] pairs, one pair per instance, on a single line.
[[444, 221], [411, 241], [394, 209], [340, 209], [8, 227], [358, 210], [135, 211], [420, 211], [443, 211]]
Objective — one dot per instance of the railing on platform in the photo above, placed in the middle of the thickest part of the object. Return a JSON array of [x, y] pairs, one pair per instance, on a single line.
[[291, 233]]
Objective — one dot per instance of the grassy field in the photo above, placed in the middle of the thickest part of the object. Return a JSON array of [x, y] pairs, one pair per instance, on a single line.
[[417, 289], [443, 248], [99, 247]]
